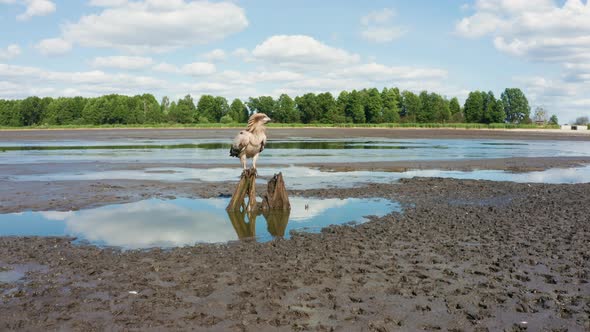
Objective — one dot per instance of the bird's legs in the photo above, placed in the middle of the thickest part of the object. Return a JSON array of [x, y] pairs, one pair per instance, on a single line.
[[254, 160], [244, 161]]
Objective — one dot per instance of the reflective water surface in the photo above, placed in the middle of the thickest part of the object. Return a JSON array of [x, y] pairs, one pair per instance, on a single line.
[[298, 177], [180, 222], [292, 151]]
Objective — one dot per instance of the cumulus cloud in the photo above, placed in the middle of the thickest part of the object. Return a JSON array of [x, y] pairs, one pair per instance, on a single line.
[[32, 8], [215, 55], [53, 46], [36, 8], [301, 51], [10, 52], [199, 68], [541, 31], [24, 81], [377, 26], [122, 62], [155, 25]]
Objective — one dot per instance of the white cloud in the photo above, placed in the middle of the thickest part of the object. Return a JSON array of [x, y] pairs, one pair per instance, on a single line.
[[538, 30], [542, 31], [380, 72], [53, 46], [241, 52], [36, 8], [122, 62], [377, 26], [155, 25], [23, 81], [10, 52], [301, 51], [199, 69], [215, 55], [165, 67]]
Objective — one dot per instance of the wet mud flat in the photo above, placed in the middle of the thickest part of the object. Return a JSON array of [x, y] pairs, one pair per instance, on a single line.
[[465, 255]]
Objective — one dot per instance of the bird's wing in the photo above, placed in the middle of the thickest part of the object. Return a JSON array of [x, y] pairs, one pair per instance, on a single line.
[[262, 144], [242, 140]]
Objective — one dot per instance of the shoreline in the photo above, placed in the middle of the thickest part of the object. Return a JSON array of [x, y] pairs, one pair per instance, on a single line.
[[284, 133]]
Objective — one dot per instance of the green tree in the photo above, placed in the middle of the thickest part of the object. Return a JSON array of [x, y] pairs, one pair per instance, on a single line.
[[454, 106], [148, 109], [493, 109], [165, 105], [263, 104], [286, 111], [355, 108], [32, 110], [411, 106], [516, 105], [184, 111], [238, 111], [341, 107], [389, 98], [581, 121], [10, 113], [326, 107], [308, 108], [373, 106], [62, 111], [553, 120], [473, 109]]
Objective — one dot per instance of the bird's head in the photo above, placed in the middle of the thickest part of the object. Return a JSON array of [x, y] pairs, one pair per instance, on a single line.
[[258, 119]]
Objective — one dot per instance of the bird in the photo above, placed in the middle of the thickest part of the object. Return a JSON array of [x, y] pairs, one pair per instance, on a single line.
[[251, 141]]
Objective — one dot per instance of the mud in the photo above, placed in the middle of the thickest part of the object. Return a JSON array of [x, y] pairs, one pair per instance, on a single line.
[[464, 256], [280, 133]]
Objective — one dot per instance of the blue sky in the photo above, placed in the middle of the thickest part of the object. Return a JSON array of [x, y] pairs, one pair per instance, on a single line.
[[258, 47]]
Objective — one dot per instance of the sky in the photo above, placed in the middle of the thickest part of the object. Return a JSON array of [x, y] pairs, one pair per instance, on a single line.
[[244, 48]]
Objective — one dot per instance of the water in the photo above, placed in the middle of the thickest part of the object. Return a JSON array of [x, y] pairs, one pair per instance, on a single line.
[[298, 177], [293, 151], [98, 160], [180, 222]]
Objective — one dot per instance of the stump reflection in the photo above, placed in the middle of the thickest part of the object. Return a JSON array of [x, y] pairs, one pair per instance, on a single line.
[[243, 209], [244, 223]]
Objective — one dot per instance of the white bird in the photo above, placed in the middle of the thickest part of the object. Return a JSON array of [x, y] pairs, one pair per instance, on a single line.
[[250, 142]]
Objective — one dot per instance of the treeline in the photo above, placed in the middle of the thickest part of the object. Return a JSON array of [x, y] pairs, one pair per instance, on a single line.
[[363, 106]]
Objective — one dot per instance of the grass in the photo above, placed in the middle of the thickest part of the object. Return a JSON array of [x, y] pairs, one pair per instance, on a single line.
[[298, 125]]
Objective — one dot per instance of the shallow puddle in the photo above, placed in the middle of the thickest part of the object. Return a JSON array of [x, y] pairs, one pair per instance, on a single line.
[[180, 222]]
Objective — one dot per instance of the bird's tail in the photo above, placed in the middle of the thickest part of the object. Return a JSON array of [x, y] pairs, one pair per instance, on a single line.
[[234, 152]]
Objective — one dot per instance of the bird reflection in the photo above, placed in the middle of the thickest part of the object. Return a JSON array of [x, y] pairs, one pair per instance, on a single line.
[[244, 223]]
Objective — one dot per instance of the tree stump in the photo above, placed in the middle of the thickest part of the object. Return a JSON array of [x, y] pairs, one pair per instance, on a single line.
[[246, 188], [276, 197], [275, 206]]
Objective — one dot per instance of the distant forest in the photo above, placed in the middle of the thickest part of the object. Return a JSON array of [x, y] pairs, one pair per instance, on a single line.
[[364, 106]]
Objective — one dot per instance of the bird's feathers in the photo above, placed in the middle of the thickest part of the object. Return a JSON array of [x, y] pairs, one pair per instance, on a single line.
[[251, 141]]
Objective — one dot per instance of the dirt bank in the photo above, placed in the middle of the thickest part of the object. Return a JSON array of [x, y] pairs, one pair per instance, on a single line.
[[283, 133], [466, 255]]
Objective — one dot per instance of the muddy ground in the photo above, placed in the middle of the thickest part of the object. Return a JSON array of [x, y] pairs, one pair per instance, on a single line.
[[465, 255], [282, 133]]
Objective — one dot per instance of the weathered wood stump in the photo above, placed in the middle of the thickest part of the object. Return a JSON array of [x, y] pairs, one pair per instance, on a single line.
[[276, 197], [246, 188]]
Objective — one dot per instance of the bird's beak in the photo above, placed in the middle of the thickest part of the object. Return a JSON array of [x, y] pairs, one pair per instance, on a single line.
[[267, 119]]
